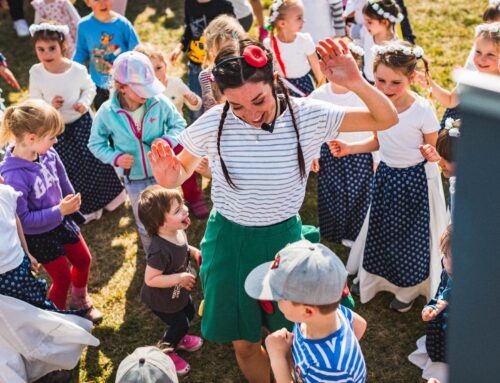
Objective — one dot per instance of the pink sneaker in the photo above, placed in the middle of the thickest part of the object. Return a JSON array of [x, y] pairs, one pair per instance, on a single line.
[[181, 366], [190, 343]]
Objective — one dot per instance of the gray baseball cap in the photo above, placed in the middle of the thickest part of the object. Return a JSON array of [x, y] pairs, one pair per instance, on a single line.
[[146, 365], [302, 272]]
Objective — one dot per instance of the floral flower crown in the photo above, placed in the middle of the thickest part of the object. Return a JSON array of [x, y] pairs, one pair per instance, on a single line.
[[386, 15], [451, 126], [275, 10], [356, 49], [416, 51], [492, 28], [63, 29]]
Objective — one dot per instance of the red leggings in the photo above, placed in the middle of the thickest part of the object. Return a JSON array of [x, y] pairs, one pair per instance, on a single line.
[[63, 276], [190, 187]]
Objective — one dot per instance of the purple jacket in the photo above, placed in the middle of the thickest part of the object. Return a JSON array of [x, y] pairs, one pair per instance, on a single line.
[[43, 183]]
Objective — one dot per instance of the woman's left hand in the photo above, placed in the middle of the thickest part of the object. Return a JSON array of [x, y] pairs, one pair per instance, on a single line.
[[337, 63]]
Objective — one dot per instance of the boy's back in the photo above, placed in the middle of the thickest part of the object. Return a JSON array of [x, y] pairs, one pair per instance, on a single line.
[[337, 357]]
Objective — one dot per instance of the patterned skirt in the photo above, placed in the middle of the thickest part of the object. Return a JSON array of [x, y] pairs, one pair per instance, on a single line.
[[305, 84], [398, 242], [344, 189], [97, 182], [47, 247]]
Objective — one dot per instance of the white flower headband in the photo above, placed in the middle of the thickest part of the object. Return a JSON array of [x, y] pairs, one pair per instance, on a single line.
[[34, 28], [356, 49], [451, 126], [275, 10], [493, 28], [416, 51], [386, 15]]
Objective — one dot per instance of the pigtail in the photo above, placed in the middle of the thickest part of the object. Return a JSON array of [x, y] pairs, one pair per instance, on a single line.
[[5, 127], [300, 155], [427, 75], [219, 134]]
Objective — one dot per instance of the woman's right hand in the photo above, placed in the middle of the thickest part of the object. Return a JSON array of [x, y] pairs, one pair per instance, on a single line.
[[339, 148], [70, 204], [57, 102], [125, 161], [187, 281], [165, 165]]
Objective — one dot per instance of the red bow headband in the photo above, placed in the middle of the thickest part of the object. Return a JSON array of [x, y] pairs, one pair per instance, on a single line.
[[253, 55]]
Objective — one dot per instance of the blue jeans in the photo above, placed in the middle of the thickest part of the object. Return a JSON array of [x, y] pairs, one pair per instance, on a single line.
[[134, 189], [194, 84]]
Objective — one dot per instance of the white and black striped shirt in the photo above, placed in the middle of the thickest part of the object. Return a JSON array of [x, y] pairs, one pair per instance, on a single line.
[[263, 166]]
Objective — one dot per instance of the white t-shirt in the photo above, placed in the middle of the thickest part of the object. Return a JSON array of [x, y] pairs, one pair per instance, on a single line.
[[263, 165], [399, 145], [355, 6], [367, 42], [74, 85], [317, 19], [294, 55], [11, 250], [241, 8], [175, 91]]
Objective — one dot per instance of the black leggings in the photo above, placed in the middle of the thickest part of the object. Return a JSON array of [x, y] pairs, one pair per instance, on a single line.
[[16, 9], [178, 322]]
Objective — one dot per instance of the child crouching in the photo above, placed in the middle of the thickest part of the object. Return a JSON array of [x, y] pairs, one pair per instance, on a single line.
[[307, 281], [169, 276]]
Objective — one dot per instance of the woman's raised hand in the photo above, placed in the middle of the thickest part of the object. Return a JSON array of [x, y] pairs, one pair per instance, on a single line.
[[337, 63], [165, 164]]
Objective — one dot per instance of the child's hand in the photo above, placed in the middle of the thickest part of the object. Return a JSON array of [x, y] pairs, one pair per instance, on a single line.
[[35, 266], [315, 166], [430, 153], [175, 54], [187, 281], [278, 343], [203, 168], [70, 204], [126, 161], [429, 313], [57, 102], [441, 305], [339, 148], [191, 98], [80, 108], [196, 254]]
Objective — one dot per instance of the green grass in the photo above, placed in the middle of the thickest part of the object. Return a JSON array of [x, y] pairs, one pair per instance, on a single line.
[[444, 29]]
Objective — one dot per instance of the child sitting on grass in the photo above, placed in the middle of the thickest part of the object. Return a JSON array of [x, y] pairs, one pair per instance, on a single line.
[[169, 276], [307, 281]]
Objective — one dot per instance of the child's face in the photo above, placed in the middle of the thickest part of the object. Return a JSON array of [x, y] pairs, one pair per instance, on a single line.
[[375, 26], [447, 167], [130, 96], [292, 312], [177, 218], [447, 264], [394, 84], [160, 68], [48, 51], [100, 7], [486, 56], [293, 20], [39, 144]]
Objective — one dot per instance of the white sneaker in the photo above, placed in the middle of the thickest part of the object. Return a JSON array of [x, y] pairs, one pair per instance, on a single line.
[[21, 27]]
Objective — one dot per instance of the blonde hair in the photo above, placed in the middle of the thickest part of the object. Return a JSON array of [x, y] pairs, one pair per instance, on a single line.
[[220, 30], [282, 12], [30, 116], [445, 242], [490, 32], [152, 51]]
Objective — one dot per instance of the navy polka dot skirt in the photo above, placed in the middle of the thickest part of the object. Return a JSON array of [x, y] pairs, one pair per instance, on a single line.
[[304, 84], [398, 240], [95, 181], [344, 189], [435, 341], [47, 247]]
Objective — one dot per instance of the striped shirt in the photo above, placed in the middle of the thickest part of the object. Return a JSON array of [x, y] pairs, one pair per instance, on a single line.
[[263, 166], [336, 358]]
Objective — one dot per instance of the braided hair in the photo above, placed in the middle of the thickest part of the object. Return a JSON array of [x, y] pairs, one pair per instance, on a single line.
[[234, 73]]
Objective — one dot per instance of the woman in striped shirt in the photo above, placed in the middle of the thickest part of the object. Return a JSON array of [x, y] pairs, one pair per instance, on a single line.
[[260, 144]]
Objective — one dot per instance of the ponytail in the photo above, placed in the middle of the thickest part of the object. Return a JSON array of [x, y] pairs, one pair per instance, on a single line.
[[219, 134]]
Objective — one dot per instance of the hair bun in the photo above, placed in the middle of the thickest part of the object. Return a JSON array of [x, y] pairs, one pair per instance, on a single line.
[[255, 56]]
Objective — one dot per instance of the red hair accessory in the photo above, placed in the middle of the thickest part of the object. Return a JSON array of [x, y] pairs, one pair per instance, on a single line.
[[255, 56]]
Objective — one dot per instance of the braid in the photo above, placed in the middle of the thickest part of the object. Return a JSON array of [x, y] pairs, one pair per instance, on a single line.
[[427, 76], [300, 155], [219, 134]]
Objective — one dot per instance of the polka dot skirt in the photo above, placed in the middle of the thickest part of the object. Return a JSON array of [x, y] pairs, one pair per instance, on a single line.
[[344, 189], [304, 83], [97, 182], [398, 241], [435, 341]]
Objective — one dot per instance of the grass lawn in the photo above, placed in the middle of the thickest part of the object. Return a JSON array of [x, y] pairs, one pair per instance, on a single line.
[[444, 29]]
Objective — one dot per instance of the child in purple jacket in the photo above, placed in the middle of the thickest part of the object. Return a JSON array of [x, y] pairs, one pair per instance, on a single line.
[[32, 167]]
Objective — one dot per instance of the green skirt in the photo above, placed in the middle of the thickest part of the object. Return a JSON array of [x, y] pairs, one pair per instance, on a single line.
[[230, 251]]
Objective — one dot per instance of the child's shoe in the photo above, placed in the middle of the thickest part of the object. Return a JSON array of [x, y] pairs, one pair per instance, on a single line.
[[93, 315], [81, 300], [190, 343], [181, 366], [200, 210]]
